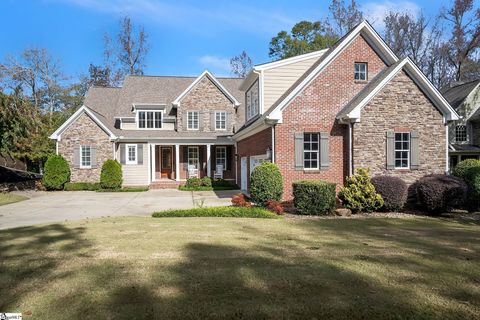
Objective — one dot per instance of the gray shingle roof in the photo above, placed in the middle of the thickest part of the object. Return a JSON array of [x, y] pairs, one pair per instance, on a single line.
[[456, 94], [108, 103]]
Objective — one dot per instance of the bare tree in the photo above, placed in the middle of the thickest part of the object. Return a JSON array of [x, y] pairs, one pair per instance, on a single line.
[[343, 17], [465, 39], [241, 65], [129, 49]]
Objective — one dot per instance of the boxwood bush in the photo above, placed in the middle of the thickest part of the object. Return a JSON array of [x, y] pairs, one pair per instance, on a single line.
[[193, 182], [472, 180], [440, 193], [266, 183], [314, 197], [56, 173], [359, 194], [111, 175], [81, 186], [393, 190], [462, 168]]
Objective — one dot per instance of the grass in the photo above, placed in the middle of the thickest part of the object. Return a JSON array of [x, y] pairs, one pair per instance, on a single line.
[[6, 198], [234, 212], [144, 268]]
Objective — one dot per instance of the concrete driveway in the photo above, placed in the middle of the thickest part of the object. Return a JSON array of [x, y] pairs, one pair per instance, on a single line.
[[47, 207]]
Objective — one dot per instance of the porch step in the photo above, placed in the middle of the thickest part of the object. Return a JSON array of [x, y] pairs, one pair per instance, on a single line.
[[165, 184]]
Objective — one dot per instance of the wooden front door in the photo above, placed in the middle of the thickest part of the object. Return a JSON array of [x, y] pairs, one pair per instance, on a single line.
[[166, 162]]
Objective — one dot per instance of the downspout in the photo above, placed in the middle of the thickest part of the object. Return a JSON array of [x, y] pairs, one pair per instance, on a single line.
[[273, 144], [236, 162], [447, 161], [350, 146]]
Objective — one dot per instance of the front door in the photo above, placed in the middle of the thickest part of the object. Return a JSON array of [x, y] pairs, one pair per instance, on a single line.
[[166, 162], [243, 173]]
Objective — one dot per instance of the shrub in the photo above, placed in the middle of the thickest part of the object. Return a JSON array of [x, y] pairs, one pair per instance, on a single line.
[[239, 200], [56, 173], [439, 193], [275, 206], [472, 180], [236, 212], [194, 182], [314, 197], [266, 183], [359, 194], [206, 182], [221, 183], [393, 190], [81, 186], [111, 175], [462, 168]]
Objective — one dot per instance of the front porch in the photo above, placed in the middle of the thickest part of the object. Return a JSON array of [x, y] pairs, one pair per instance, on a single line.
[[172, 164]]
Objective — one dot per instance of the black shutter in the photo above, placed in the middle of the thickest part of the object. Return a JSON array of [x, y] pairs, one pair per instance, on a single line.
[[201, 152], [229, 163], [185, 157], [213, 157]]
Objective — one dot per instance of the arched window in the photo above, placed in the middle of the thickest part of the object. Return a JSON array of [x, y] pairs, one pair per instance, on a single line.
[[461, 133]]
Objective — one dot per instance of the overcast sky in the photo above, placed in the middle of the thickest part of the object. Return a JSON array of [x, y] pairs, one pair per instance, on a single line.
[[185, 37]]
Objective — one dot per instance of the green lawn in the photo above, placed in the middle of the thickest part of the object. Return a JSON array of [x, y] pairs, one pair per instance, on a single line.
[[6, 198], [146, 268]]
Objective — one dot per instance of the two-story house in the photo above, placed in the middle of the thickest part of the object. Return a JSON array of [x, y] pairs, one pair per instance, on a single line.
[[161, 129], [319, 115], [464, 133]]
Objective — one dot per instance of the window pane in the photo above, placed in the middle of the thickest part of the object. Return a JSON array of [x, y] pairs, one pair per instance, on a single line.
[[158, 120], [149, 119], [141, 119]]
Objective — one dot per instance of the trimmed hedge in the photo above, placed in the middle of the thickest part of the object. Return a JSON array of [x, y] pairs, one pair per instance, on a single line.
[[111, 175], [266, 183], [81, 186], [462, 168], [440, 193], [472, 180], [236, 212], [393, 190], [56, 173], [193, 182], [359, 194], [314, 197]]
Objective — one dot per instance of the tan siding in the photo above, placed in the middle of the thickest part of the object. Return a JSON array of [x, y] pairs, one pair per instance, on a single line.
[[278, 80], [135, 175]]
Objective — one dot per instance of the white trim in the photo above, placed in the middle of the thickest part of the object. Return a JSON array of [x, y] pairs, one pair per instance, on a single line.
[[127, 161], [209, 165], [448, 112], [57, 134], [198, 120], [137, 113], [350, 150], [81, 156], [255, 127], [220, 129], [216, 158], [149, 155], [447, 159], [273, 144], [198, 157], [367, 30], [402, 150], [176, 102], [177, 162], [287, 61], [113, 151]]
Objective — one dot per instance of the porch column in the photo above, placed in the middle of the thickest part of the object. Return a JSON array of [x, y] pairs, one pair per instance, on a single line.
[[177, 162], [209, 167], [154, 166]]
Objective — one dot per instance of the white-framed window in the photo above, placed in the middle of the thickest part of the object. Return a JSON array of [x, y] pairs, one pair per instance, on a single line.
[[361, 71], [461, 133], [131, 154], [193, 157], [252, 98], [149, 119], [221, 157], [192, 120], [311, 150], [85, 156], [402, 150], [220, 120]]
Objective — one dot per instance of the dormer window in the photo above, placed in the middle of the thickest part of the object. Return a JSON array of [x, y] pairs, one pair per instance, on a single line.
[[360, 72], [149, 119]]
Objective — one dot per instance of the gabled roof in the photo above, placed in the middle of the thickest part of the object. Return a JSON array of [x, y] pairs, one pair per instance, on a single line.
[[93, 115], [352, 109], [364, 28], [207, 74], [455, 95]]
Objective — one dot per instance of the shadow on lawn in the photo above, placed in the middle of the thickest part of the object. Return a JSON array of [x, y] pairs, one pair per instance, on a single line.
[[280, 276]]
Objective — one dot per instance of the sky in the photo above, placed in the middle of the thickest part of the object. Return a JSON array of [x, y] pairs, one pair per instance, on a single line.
[[185, 37]]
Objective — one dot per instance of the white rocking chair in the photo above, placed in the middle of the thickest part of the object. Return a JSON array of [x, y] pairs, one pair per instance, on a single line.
[[218, 174], [192, 171]]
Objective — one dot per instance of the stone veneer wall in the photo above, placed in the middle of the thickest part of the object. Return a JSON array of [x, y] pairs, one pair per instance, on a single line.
[[84, 131], [206, 98], [400, 106]]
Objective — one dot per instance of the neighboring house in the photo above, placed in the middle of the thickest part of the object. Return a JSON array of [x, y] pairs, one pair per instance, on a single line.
[[356, 105], [161, 129], [319, 115], [464, 134]]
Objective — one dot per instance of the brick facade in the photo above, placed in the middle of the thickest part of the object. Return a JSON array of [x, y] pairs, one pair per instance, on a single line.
[[206, 98], [315, 110], [84, 131], [400, 106]]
